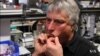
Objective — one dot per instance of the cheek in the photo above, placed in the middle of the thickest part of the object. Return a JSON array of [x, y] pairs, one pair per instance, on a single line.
[[66, 30], [59, 29]]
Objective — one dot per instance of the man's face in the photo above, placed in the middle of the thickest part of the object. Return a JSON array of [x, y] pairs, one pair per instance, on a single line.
[[57, 24]]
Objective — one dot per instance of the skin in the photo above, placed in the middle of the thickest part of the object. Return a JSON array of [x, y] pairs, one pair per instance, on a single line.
[[57, 24]]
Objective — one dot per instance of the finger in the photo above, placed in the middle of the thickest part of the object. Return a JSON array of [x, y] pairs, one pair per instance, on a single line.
[[38, 43], [42, 38], [51, 41], [37, 40], [57, 41]]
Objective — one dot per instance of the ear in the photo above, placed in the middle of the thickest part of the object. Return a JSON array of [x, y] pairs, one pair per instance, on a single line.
[[74, 27]]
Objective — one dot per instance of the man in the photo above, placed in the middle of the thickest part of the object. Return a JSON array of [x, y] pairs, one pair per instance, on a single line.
[[43, 4], [61, 37]]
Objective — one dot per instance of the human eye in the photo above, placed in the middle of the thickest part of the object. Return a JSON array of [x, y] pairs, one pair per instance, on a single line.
[[59, 21], [48, 20]]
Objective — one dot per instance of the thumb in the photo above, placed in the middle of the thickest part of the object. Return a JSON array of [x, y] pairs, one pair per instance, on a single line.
[[57, 41]]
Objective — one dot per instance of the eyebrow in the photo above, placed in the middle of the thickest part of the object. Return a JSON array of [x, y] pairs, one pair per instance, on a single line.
[[56, 19], [59, 20]]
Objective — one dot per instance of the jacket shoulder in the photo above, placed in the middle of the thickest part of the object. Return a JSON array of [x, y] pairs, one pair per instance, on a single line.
[[86, 48]]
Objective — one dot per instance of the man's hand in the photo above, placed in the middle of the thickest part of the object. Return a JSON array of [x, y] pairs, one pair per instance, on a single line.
[[47, 46], [40, 45], [54, 47]]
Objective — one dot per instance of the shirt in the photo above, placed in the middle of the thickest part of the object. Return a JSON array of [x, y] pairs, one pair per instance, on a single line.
[[80, 47]]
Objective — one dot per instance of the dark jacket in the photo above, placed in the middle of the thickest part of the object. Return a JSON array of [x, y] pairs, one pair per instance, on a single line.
[[80, 47]]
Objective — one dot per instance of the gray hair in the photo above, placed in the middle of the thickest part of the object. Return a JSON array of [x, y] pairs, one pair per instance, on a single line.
[[69, 6]]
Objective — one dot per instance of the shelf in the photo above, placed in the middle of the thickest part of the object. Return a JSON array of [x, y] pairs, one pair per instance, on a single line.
[[11, 11], [21, 16], [90, 10]]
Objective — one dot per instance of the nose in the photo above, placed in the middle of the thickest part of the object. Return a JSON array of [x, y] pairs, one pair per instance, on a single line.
[[51, 26]]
